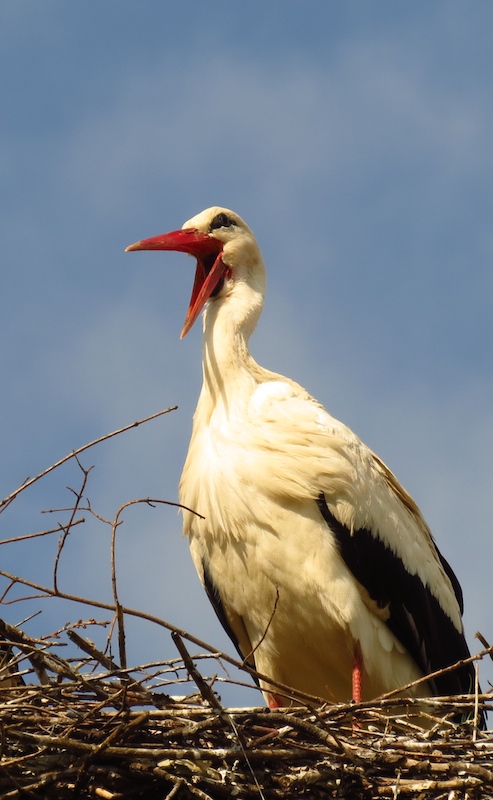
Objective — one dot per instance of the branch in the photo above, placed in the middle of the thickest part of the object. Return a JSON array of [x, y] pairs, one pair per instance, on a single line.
[[30, 481]]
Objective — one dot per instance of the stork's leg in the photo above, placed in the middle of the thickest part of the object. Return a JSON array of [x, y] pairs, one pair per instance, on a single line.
[[357, 676], [275, 701]]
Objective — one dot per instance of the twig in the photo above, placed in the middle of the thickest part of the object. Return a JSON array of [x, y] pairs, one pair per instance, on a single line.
[[77, 452], [89, 648], [202, 685], [118, 607], [487, 651], [67, 528], [254, 649], [484, 642], [26, 536], [120, 619]]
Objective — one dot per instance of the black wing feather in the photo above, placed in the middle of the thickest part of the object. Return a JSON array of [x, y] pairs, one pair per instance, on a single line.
[[416, 617]]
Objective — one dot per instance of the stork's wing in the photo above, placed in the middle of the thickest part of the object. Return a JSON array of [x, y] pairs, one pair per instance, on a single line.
[[416, 617], [381, 534]]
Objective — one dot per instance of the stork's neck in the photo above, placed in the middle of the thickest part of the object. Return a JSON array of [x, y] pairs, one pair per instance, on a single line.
[[230, 372]]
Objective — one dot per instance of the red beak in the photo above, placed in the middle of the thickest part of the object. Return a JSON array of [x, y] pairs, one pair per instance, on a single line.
[[210, 268]]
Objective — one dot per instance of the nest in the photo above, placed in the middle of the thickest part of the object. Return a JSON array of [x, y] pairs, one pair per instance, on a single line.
[[116, 734], [90, 726]]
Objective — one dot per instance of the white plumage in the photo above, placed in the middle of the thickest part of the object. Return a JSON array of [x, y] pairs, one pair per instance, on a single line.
[[318, 563]]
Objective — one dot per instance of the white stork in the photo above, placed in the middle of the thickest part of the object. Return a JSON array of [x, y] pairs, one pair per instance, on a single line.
[[318, 563]]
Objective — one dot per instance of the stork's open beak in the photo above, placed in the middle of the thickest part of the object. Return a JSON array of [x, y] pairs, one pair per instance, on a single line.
[[210, 268]]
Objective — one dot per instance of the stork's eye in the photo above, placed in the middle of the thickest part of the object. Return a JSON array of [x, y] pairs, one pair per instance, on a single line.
[[221, 221]]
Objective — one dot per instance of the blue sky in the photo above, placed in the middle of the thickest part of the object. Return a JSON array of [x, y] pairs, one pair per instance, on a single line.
[[355, 140]]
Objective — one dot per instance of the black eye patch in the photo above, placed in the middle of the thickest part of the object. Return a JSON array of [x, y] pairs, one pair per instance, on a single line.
[[221, 221]]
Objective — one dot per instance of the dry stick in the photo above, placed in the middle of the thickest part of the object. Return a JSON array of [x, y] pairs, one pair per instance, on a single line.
[[438, 672], [309, 728], [178, 783], [119, 616], [192, 791], [476, 702], [254, 650], [205, 690], [67, 528], [58, 529], [484, 642], [119, 612], [89, 648], [202, 685], [30, 481]]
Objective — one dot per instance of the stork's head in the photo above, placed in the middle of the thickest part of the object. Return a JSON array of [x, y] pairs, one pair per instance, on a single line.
[[226, 252]]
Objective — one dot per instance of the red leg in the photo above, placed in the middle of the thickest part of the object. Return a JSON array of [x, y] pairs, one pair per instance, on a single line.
[[275, 701], [357, 676]]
